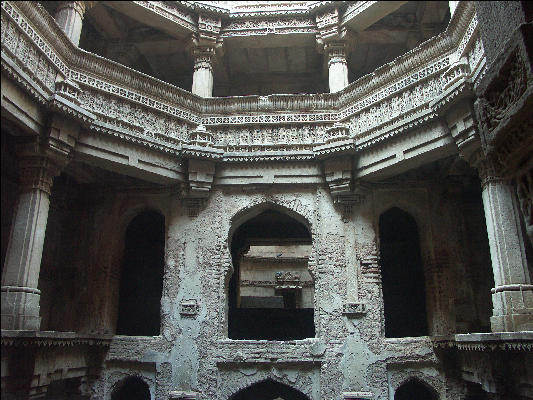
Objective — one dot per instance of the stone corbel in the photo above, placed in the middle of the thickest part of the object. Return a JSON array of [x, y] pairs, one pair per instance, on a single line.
[[338, 172], [202, 154], [463, 129], [328, 24], [66, 101], [345, 192]]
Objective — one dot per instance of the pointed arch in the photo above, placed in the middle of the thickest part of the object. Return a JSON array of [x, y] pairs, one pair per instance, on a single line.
[[265, 240], [414, 388], [268, 389], [131, 388]]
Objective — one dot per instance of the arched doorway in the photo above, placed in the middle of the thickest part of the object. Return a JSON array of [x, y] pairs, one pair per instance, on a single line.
[[141, 281], [271, 292], [404, 294], [269, 390], [132, 388], [415, 390]]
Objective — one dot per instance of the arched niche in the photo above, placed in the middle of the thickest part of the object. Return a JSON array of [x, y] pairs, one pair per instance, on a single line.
[[141, 280], [269, 390], [271, 291], [131, 388], [404, 294], [415, 389]]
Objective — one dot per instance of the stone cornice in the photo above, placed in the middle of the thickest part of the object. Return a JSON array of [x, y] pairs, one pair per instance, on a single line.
[[374, 108], [16, 338], [505, 341]]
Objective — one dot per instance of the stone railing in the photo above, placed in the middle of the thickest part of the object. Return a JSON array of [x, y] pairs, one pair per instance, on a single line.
[[116, 100]]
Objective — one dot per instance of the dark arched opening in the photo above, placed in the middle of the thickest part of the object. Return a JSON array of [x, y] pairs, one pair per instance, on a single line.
[[404, 294], [269, 390], [271, 290], [141, 281], [415, 390], [132, 388]]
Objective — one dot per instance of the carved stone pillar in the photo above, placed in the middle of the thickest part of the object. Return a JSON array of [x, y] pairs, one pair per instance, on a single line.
[[20, 296], [337, 66], [204, 45], [512, 296], [69, 16], [333, 39], [202, 79]]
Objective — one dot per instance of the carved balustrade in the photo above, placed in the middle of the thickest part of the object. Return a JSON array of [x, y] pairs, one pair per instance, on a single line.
[[117, 101]]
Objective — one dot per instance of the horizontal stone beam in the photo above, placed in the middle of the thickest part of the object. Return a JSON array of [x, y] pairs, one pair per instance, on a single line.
[[363, 14]]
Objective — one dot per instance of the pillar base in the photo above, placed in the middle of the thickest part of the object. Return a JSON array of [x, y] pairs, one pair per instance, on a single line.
[[18, 300], [512, 322], [514, 309]]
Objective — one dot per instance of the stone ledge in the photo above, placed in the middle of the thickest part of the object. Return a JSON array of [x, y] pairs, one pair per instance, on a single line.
[[16, 338], [505, 341]]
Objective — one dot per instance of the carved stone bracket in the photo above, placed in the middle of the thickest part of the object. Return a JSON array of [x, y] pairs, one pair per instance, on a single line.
[[328, 24], [201, 153], [189, 308], [338, 174], [69, 90], [354, 310]]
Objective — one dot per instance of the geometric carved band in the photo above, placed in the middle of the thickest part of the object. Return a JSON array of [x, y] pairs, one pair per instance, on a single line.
[[21, 289], [519, 287]]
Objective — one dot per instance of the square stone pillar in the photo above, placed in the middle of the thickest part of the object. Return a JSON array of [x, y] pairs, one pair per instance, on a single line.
[[20, 277], [512, 296]]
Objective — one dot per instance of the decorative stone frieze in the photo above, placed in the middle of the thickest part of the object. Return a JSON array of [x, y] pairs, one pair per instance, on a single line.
[[287, 280], [354, 310], [255, 27]]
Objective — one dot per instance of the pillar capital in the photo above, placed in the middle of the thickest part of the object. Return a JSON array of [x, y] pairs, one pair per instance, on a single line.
[[203, 53], [489, 170], [203, 57]]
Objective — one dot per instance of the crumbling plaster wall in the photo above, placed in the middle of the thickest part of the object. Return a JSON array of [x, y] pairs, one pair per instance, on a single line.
[[193, 352]]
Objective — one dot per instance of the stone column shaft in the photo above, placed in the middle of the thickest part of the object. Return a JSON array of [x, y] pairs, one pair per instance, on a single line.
[[512, 296], [69, 16], [202, 79], [20, 277], [337, 67]]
